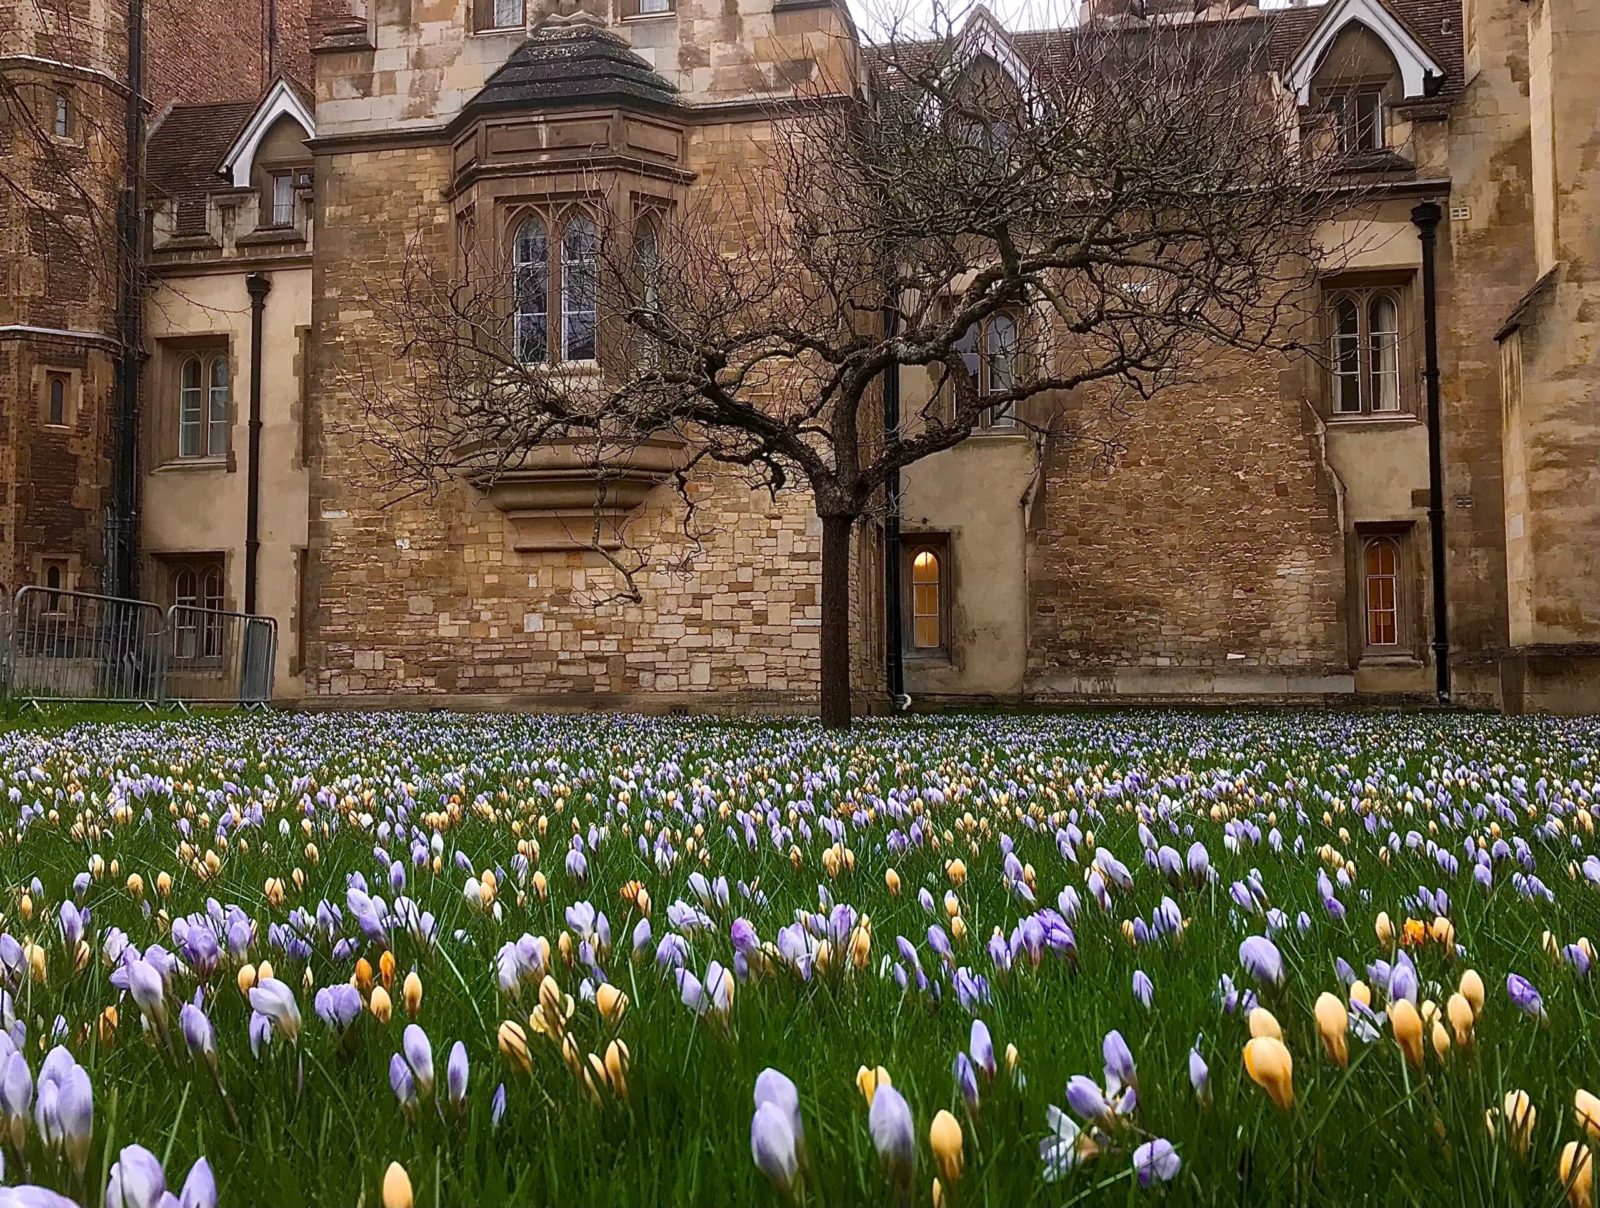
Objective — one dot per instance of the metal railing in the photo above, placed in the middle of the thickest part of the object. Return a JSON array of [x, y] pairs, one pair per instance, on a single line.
[[60, 645], [216, 657], [78, 646]]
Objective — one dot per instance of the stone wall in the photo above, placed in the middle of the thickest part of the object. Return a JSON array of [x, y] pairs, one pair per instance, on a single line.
[[428, 597], [1191, 544]]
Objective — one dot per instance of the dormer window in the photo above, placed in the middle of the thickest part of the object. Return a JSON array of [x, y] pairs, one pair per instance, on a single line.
[[1357, 120]]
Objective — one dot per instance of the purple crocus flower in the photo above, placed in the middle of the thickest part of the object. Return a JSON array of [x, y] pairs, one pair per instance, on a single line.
[[1262, 960], [402, 1083], [1086, 1099], [456, 1071], [1156, 1162], [981, 1046], [137, 1180], [338, 1006], [893, 1135], [1120, 1069], [1199, 1075], [198, 1033], [743, 934], [774, 1087], [772, 1145], [419, 1056], [200, 1188], [1524, 997], [275, 1000], [497, 1105], [1143, 990], [966, 1077]]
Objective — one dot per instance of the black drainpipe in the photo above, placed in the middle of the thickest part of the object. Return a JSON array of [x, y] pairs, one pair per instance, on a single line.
[[130, 232], [1426, 217], [893, 657], [259, 286]]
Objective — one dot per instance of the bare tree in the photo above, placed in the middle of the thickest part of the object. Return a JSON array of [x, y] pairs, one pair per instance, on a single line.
[[1137, 193]]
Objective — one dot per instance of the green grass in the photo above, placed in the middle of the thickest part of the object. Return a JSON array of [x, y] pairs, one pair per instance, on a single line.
[[317, 1123]]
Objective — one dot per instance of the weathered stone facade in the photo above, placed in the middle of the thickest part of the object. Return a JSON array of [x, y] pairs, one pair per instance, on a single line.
[[1253, 534]]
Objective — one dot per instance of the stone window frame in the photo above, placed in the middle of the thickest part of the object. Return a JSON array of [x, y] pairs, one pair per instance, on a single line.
[[486, 14], [62, 569], [556, 222], [1363, 290], [72, 395], [198, 581], [636, 10], [912, 546], [1399, 538], [166, 432]]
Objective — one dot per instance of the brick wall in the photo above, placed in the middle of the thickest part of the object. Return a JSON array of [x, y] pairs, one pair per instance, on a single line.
[[218, 52]]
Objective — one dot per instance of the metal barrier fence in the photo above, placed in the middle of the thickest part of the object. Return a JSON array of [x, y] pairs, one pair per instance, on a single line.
[[216, 657], [61, 645]]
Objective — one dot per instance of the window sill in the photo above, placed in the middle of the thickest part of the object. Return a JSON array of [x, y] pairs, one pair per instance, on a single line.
[[631, 18], [500, 31], [48, 427], [1401, 659], [185, 464], [1019, 430], [1369, 419], [931, 657]]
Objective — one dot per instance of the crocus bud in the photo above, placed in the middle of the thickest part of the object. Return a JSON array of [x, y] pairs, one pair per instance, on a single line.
[[1472, 990], [396, 1187], [945, 1139], [773, 1146], [380, 1006], [137, 1180], [456, 1071], [1406, 1024], [1577, 1174], [1586, 1108], [869, 1080], [1267, 1061], [1333, 1025], [1264, 1023], [411, 992], [1520, 1117], [514, 1046], [892, 880], [363, 976], [1385, 929], [611, 1002], [200, 1188], [419, 1056], [893, 1133], [616, 1066], [1459, 1011]]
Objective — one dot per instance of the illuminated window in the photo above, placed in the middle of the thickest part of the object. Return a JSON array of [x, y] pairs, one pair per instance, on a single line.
[[1381, 586], [925, 582]]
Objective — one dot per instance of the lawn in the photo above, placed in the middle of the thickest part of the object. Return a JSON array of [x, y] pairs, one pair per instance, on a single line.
[[257, 940]]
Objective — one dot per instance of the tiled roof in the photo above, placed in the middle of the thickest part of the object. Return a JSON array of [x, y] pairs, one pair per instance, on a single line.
[[1436, 24], [184, 155], [571, 63]]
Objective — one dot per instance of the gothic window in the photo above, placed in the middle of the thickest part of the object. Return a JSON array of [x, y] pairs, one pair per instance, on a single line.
[[197, 627], [647, 262], [555, 278], [1381, 591], [533, 292], [989, 351], [204, 406], [57, 399], [1364, 352], [283, 199], [578, 290], [61, 123]]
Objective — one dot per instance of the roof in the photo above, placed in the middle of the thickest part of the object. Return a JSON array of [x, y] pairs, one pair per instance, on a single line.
[[1435, 24], [184, 157], [571, 62]]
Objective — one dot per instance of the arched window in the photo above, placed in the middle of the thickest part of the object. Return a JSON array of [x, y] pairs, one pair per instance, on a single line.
[[647, 262], [218, 408], [1364, 352], [185, 622], [531, 319], [1383, 335], [57, 402], [1381, 584], [927, 613], [1346, 356], [189, 408], [578, 311]]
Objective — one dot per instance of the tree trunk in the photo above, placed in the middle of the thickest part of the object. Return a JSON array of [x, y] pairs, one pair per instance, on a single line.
[[835, 635]]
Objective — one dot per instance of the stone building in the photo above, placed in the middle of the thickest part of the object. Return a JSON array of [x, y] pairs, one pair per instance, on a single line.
[[1264, 533], [66, 91]]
